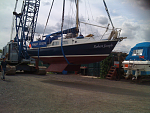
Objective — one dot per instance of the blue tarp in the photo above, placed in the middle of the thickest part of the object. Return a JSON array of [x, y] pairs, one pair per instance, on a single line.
[[145, 55], [71, 30]]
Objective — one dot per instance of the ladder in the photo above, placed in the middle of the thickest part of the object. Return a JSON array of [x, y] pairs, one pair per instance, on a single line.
[[112, 73]]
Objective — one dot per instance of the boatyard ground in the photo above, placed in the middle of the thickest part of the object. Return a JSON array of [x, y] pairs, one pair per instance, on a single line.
[[56, 93]]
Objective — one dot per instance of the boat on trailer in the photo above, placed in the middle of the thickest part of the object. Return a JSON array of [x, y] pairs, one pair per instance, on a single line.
[[66, 50], [137, 63]]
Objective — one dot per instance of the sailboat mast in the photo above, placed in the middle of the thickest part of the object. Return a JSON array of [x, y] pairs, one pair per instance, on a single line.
[[77, 15]]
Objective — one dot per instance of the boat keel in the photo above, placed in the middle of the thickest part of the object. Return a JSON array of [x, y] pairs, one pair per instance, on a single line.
[[61, 67]]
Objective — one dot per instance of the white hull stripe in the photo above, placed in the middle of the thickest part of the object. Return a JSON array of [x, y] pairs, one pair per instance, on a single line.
[[71, 56]]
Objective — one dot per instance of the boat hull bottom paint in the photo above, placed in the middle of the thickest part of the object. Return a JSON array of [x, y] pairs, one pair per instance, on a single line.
[[61, 67], [58, 64], [72, 60]]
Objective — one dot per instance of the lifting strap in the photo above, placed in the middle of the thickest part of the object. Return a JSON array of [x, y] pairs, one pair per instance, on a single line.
[[38, 52], [62, 33]]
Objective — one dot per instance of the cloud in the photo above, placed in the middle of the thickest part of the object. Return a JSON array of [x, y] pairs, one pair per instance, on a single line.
[[40, 29], [135, 33], [68, 23], [146, 33], [114, 13], [122, 47], [130, 30], [46, 3], [102, 20], [144, 4]]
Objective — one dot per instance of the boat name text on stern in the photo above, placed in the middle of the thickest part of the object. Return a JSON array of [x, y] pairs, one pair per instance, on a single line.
[[103, 46]]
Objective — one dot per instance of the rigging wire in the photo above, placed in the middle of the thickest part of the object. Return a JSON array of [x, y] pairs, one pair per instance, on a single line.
[[92, 16], [88, 16], [48, 17], [71, 14], [90, 10], [105, 31], [94, 25]]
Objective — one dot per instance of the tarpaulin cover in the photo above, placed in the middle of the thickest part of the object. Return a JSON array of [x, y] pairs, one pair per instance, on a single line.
[[145, 46], [71, 30]]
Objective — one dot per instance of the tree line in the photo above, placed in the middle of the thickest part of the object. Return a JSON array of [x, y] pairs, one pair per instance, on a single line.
[[1, 50]]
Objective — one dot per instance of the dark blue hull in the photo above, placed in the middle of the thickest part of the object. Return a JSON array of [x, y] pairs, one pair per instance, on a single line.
[[77, 54]]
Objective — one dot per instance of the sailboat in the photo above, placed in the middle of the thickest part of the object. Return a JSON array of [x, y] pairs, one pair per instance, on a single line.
[[70, 51]]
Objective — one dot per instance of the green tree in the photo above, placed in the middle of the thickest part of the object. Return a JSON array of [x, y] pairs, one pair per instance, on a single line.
[[105, 66], [1, 51]]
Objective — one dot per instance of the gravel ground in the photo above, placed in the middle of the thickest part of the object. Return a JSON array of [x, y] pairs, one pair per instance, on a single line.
[[54, 93]]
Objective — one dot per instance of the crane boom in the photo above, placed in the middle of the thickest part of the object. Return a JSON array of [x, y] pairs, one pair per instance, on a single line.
[[25, 25]]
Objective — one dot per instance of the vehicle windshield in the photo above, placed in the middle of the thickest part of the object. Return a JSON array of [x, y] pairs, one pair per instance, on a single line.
[[137, 52]]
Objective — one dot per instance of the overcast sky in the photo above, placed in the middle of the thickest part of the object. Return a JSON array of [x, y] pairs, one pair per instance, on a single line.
[[133, 16]]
